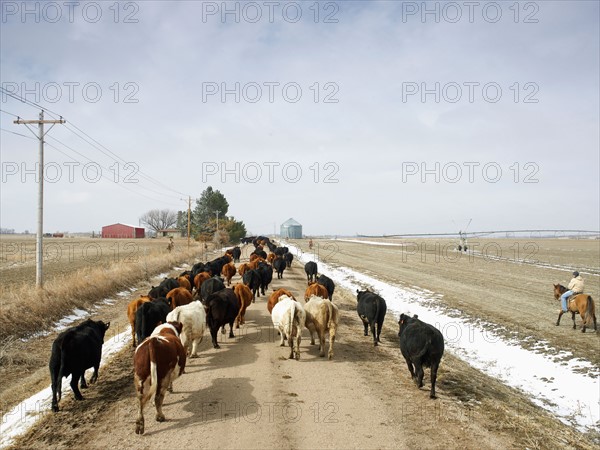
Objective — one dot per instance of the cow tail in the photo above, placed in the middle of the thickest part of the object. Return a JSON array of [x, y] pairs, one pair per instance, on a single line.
[[292, 318], [589, 310], [152, 354], [61, 369], [331, 315]]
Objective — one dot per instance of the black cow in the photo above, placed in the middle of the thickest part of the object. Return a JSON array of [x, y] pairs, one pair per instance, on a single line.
[[149, 315], [221, 308], [247, 240], [157, 292], [169, 283], [422, 345], [73, 351], [279, 266], [288, 257], [196, 269], [371, 309], [236, 252], [266, 276], [280, 251], [311, 271], [271, 246], [328, 283], [211, 286], [252, 279], [163, 288], [215, 266], [260, 253]]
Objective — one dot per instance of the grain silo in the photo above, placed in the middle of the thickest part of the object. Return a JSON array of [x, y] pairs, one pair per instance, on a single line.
[[291, 229]]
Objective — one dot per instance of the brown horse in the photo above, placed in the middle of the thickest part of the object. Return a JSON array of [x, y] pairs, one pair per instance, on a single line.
[[581, 304]]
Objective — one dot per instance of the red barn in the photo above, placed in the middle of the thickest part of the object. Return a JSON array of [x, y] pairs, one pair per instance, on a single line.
[[120, 230]]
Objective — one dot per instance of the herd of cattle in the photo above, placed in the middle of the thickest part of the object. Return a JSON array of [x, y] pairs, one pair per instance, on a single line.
[[168, 323]]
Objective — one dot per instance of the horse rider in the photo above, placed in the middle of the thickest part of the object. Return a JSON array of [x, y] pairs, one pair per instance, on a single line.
[[310, 244], [575, 287]]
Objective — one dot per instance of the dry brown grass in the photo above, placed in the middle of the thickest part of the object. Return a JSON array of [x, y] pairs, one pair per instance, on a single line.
[[26, 310]]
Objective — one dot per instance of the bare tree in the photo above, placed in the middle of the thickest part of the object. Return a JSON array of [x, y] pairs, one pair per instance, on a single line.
[[159, 219]]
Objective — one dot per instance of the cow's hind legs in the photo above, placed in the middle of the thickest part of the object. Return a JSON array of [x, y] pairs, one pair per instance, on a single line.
[[373, 330], [379, 325], [95, 375], [83, 383], [322, 343], [434, 369], [419, 374], [142, 399], [231, 335], [366, 328], [410, 368], [74, 381], [158, 401]]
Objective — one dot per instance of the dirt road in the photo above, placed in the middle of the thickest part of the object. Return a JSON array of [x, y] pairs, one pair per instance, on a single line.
[[248, 395]]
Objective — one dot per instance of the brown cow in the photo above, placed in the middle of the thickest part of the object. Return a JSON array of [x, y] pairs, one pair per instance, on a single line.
[[185, 282], [244, 296], [132, 307], [228, 272], [178, 297], [316, 289], [274, 298], [254, 264], [243, 268], [271, 257], [157, 361], [253, 256], [199, 279]]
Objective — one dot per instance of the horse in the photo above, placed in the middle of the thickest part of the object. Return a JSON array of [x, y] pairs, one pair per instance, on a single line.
[[581, 304]]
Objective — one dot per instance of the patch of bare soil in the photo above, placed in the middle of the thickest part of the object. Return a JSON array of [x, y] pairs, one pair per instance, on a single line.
[[249, 395]]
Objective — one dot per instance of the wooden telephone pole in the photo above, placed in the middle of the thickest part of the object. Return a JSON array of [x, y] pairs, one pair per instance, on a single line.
[[39, 253], [189, 218]]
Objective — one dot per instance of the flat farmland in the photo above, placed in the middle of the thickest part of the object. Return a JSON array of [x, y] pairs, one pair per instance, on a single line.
[[63, 256], [507, 282]]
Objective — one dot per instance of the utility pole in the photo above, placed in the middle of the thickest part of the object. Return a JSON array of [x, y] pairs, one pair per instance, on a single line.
[[217, 211], [39, 279], [189, 217]]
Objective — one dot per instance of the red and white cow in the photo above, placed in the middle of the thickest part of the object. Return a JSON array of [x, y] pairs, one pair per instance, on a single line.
[[289, 317], [157, 361], [322, 316]]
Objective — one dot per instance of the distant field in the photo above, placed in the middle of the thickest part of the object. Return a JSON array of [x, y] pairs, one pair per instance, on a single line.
[[568, 254], [508, 282], [65, 255]]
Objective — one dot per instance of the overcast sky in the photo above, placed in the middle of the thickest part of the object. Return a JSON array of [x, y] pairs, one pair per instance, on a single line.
[[351, 117]]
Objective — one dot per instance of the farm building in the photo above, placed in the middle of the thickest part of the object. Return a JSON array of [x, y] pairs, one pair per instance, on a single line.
[[169, 232], [121, 230], [291, 229]]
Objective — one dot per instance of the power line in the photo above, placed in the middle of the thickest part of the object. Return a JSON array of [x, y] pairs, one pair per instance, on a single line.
[[106, 177], [9, 113], [18, 134], [90, 140]]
